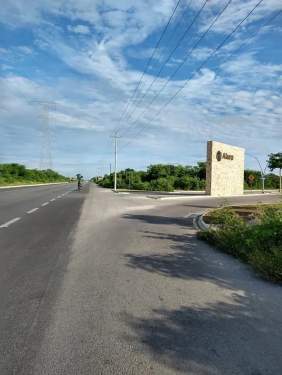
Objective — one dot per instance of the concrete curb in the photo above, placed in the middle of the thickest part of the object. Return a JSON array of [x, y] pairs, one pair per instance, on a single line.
[[205, 196], [165, 193], [31, 185], [199, 223], [179, 197]]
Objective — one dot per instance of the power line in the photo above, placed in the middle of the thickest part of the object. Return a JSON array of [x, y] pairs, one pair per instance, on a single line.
[[201, 66], [180, 40], [183, 62], [173, 33], [150, 60], [267, 21]]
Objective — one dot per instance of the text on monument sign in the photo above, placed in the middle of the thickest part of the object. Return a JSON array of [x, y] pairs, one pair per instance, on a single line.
[[223, 155]]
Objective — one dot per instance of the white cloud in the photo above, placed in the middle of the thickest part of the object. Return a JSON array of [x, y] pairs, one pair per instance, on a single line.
[[201, 53], [3, 51], [246, 68], [237, 11], [79, 29], [233, 104], [25, 50]]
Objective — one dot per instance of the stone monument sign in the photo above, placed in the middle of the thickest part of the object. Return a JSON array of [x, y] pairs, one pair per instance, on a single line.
[[225, 169]]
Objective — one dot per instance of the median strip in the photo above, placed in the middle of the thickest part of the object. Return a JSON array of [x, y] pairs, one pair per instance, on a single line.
[[6, 225]]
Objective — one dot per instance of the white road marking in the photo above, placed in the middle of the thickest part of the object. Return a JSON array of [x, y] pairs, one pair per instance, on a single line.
[[45, 204], [52, 200], [6, 225], [59, 196], [33, 210]]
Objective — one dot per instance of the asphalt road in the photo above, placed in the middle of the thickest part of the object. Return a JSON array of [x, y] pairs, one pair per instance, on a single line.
[[17, 202], [102, 283]]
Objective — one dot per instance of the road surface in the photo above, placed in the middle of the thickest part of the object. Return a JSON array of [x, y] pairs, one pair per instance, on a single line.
[[101, 283]]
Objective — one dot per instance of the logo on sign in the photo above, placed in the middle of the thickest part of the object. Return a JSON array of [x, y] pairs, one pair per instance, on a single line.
[[223, 155], [218, 155]]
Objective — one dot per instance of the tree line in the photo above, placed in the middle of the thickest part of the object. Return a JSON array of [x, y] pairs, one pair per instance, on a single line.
[[16, 173], [158, 177], [167, 177]]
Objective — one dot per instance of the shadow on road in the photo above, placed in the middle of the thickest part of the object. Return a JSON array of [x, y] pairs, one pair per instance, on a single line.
[[155, 219], [243, 336], [183, 262], [220, 339]]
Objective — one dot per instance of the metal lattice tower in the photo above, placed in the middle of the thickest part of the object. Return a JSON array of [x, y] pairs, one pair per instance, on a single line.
[[46, 134]]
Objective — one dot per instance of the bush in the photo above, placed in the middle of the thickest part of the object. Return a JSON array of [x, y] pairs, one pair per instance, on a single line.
[[141, 185], [107, 183], [259, 244], [162, 184], [268, 263], [189, 183]]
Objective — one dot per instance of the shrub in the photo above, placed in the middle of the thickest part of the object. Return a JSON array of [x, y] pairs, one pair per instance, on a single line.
[[162, 184], [259, 244], [268, 263], [145, 185], [189, 183], [107, 183]]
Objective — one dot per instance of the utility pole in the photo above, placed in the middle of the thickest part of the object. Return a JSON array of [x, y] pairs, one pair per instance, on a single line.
[[46, 136], [116, 137]]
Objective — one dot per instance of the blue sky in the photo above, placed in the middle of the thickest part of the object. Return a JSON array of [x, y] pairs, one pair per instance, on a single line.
[[87, 56]]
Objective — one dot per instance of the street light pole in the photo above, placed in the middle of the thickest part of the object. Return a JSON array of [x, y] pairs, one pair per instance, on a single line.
[[116, 137], [115, 186], [261, 171]]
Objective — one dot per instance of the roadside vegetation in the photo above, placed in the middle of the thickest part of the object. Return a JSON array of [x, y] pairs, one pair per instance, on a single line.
[[252, 180], [159, 177], [275, 162], [16, 174], [256, 240], [166, 177]]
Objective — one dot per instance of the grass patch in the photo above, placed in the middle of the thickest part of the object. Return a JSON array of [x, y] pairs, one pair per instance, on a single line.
[[259, 244]]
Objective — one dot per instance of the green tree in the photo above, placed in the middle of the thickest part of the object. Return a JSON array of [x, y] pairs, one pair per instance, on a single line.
[[17, 173], [275, 162]]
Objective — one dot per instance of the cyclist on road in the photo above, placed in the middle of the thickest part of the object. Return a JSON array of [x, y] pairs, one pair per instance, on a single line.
[[79, 179]]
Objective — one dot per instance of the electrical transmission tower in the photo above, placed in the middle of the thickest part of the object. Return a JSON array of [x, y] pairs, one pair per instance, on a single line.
[[46, 135]]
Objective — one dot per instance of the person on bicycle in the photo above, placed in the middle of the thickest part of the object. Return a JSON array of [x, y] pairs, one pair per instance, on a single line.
[[79, 179]]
